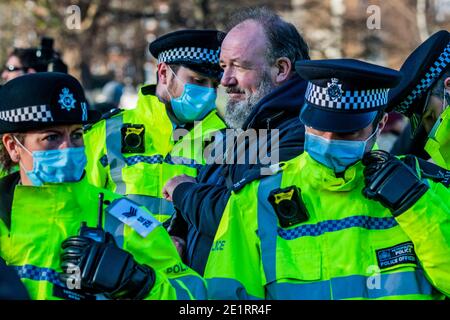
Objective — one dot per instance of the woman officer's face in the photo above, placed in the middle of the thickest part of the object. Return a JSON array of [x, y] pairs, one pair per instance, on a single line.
[[57, 137]]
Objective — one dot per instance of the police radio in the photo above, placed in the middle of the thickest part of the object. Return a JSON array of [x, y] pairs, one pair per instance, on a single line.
[[97, 234]]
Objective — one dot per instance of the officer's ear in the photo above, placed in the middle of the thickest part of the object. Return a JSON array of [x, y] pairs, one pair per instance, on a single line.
[[11, 146], [283, 68], [382, 122], [163, 72], [447, 84]]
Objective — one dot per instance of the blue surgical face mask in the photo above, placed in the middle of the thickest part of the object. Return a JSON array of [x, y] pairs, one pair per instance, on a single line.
[[56, 166], [194, 103], [337, 154]]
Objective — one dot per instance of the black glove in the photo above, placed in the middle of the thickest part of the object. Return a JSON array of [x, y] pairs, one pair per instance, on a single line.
[[106, 269], [391, 182]]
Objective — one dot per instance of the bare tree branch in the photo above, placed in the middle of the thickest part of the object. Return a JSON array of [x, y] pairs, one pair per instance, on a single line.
[[422, 19]]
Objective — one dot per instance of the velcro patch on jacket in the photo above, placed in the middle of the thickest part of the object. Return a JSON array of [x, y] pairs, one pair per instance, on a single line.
[[132, 214], [399, 254]]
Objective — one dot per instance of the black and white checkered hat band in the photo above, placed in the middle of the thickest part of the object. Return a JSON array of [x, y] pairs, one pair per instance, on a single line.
[[34, 113], [202, 55], [425, 83], [363, 100]]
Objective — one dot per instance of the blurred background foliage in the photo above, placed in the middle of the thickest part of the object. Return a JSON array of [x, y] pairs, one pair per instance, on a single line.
[[112, 42]]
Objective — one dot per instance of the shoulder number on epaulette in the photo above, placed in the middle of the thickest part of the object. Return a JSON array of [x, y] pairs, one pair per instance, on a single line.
[[111, 113]]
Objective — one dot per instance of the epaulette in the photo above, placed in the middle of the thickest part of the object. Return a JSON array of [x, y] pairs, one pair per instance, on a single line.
[[105, 116], [87, 127], [111, 113], [256, 173]]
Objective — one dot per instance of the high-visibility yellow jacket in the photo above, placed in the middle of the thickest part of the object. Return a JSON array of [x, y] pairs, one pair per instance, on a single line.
[[438, 143], [142, 176], [349, 248], [43, 217]]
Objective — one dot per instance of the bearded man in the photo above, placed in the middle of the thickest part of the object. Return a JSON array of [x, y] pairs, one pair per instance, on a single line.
[[265, 98]]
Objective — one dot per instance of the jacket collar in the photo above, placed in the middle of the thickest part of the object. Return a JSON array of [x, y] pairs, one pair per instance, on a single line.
[[324, 178], [149, 90]]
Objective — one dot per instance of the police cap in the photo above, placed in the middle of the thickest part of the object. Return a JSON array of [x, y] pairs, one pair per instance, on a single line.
[[344, 95], [43, 99], [198, 50], [421, 70]]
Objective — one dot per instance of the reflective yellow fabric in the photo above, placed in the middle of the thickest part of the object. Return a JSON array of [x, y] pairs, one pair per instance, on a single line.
[[42, 217], [338, 252], [438, 143], [165, 156]]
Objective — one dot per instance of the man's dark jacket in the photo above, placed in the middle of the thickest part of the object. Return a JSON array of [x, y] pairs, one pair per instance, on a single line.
[[200, 206]]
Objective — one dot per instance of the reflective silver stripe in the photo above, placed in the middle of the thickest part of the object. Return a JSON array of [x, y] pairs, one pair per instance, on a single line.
[[391, 284], [194, 284], [294, 291], [153, 204], [227, 289], [182, 294], [355, 286], [267, 225], [114, 152]]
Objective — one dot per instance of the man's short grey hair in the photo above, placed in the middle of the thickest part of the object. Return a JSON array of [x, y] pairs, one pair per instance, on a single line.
[[283, 38]]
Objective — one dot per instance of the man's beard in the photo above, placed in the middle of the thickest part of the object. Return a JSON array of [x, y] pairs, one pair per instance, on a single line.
[[237, 112]]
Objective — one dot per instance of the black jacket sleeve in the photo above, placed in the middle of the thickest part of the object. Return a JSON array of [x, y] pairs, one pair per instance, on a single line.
[[11, 288], [201, 205]]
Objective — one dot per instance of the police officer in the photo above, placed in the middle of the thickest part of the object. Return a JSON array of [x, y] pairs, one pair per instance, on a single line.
[[424, 94], [328, 225], [136, 151], [30, 60], [120, 251]]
